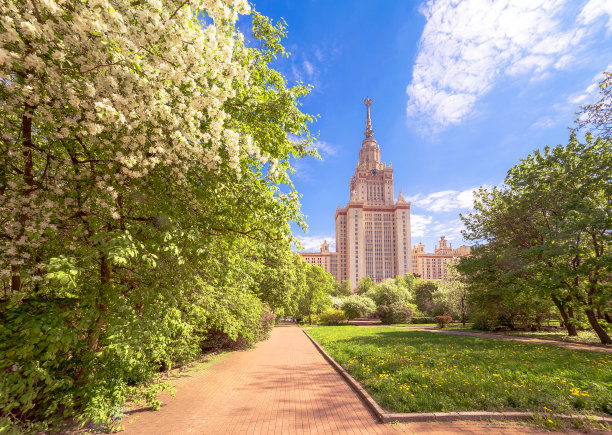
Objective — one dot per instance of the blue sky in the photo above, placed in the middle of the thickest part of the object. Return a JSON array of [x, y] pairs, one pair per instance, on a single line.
[[462, 90]]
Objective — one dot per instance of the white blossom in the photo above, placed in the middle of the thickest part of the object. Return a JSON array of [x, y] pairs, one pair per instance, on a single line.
[[125, 89]]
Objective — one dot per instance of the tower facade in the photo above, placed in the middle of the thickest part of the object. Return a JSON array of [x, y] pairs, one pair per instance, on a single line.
[[372, 230]]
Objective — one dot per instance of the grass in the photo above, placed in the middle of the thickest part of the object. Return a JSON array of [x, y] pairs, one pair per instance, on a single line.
[[453, 325], [418, 371], [560, 335]]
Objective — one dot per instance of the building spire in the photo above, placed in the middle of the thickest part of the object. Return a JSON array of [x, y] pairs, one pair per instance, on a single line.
[[369, 132], [400, 197]]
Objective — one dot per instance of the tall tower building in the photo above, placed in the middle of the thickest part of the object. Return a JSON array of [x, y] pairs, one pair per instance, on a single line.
[[373, 230]]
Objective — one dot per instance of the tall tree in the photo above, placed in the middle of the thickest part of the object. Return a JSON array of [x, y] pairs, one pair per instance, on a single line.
[[317, 295], [342, 289], [556, 214], [424, 295], [455, 290], [145, 193], [365, 284]]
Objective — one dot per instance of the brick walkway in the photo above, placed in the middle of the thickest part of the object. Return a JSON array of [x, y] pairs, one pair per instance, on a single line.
[[283, 386]]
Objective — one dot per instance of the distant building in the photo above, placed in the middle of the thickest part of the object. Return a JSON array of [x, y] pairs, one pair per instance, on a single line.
[[372, 230], [434, 266], [325, 259]]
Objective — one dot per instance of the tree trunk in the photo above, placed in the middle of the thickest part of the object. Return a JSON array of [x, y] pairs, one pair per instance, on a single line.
[[15, 278], [28, 178], [570, 313], [309, 308], [566, 316], [104, 283], [104, 271], [601, 333]]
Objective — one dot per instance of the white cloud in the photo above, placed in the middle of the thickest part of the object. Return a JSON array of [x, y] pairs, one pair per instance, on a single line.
[[301, 170], [468, 45], [450, 229], [325, 149], [319, 55], [313, 243], [297, 74], [595, 9], [425, 228], [418, 225], [309, 68], [570, 103], [589, 94], [582, 97], [446, 200], [543, 123]]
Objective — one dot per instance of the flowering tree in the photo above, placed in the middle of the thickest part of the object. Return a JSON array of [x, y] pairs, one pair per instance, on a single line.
[[100, 98], [143, 145]]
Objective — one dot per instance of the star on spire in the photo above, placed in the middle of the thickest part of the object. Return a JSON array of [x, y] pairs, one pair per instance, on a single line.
[[369, 132]]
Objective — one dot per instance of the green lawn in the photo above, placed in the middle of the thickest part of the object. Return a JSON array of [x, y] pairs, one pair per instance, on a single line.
[[560, 335], [416, 371], [434, 325]]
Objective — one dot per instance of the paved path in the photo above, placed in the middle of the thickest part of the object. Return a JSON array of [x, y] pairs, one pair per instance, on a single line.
[[283, 386]]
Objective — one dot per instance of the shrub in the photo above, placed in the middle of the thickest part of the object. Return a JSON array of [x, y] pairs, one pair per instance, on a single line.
[[337, 302], [235, 325], [422, 319], [394, 313], [442, 321], [216, 340], [389, 293], [266, 324], [357, 306], [35, 339], [332, 316], [424, 295]]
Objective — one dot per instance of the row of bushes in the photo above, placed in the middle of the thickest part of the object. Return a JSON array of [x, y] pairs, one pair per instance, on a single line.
[[382, 302], [391, 301], [422, 319], [334, 316]]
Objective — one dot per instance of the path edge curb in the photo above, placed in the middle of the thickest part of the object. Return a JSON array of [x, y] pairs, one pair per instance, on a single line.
[[355, 385], [388, 417]]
